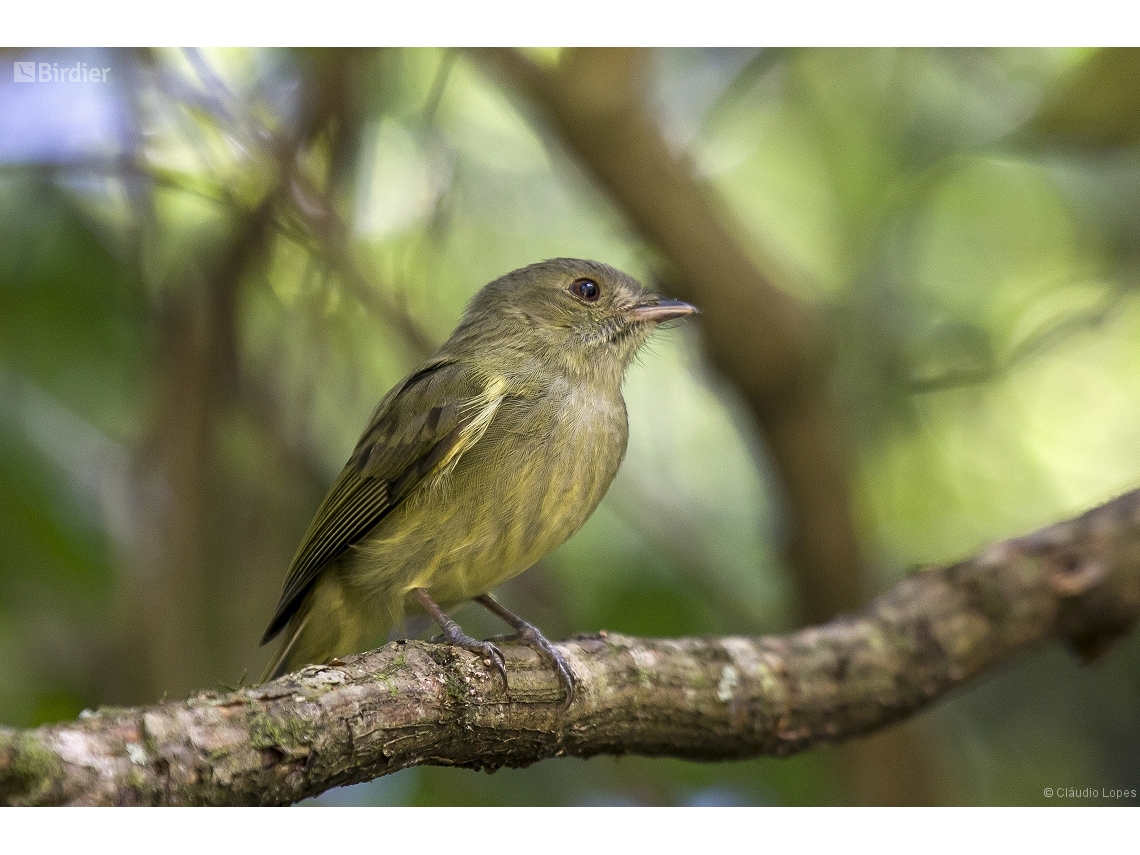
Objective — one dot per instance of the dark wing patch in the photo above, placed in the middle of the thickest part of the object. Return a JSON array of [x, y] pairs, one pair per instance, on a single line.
[[413, 429]]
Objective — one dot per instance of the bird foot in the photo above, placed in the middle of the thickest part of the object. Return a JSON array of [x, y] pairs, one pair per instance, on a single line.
[[489, 652], [530, 635]]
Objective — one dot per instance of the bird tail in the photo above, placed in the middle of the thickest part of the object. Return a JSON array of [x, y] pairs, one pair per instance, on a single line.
[[330, 623], [282, 662]]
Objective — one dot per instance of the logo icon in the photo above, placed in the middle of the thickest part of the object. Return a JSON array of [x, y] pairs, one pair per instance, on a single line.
[[24, 72]]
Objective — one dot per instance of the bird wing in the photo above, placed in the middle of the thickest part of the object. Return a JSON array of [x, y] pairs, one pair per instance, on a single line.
[[423, 426]]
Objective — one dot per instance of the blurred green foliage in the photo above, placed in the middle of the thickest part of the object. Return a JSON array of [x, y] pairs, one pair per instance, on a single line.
[[180, 381]]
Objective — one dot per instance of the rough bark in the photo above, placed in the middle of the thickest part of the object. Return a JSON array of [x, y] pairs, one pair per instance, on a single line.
[[412, 703]]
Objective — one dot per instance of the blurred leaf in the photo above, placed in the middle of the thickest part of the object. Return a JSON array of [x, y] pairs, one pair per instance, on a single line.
[[55, 548], [71, 317], [1100, 105]]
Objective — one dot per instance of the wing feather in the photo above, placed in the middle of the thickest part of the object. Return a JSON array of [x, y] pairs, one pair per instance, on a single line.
[[422, 426]]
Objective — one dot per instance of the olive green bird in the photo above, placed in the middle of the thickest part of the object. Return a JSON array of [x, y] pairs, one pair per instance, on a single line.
[[475, 466]]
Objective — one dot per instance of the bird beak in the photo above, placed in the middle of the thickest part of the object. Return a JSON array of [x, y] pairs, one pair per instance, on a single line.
[[661, 310]]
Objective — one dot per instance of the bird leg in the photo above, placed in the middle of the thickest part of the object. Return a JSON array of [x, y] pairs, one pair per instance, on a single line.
[[456, 636], [529, 635]]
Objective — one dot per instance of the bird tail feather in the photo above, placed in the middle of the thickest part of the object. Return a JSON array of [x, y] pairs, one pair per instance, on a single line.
[[330, 623]]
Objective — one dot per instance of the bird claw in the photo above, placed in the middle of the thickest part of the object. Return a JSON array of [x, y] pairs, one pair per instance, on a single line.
[[493, 656], [531, 637], [485, 650]]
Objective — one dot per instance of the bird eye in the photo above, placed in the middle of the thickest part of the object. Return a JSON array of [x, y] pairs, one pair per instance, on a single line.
[[585, 289]]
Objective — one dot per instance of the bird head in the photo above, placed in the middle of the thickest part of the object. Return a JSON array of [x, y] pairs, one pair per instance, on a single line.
[[582, 315]]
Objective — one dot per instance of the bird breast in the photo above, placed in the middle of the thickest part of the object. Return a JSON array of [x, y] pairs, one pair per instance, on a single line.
[[529, 483]]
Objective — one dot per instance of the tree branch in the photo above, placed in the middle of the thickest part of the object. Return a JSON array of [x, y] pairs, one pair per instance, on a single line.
[[411, 703]]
